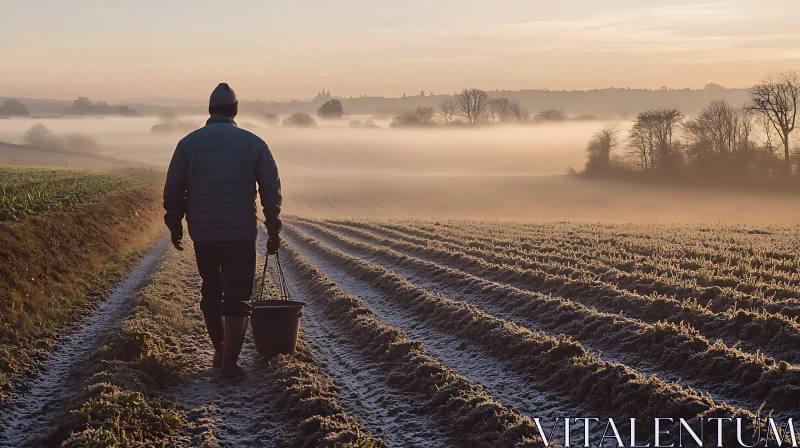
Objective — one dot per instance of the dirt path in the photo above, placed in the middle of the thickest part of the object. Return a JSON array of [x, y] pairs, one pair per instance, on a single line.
[[246, 412], [238, 413], [28, 414]]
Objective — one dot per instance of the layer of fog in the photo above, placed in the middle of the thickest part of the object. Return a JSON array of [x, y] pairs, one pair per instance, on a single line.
[[335, 149], [495, 172]]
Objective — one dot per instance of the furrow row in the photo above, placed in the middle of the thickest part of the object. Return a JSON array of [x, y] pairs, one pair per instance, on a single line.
[[682, 278], [666, 347], [774, 334], [765, 266], [558, 365], [463, 411]]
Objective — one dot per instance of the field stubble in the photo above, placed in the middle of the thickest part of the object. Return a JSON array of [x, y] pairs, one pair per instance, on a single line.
[[665, 349]]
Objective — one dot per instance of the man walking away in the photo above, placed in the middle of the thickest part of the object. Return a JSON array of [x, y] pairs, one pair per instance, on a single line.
[[212, 180]]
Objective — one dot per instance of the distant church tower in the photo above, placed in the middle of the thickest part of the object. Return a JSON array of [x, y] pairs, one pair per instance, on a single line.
[[323, 95]]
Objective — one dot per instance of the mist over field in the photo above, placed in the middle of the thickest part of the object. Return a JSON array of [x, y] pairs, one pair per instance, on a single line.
[[335, 149], [497, 172]]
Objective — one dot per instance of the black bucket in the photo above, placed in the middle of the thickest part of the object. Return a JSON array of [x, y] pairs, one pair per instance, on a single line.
[[275, 325]]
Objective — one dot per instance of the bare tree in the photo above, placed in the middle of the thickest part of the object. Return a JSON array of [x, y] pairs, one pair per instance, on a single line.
[[421, 116], [662, 124], [425, 115], [598, 150], [494, 109], [640, 144], [719, 129], [520, 113], [472, 104], [745, 144], [651, 138], [39, 135], [447, 110], [775, 98], [765, 126], [500, 109]]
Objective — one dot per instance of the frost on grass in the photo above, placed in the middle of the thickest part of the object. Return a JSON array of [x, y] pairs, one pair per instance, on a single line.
[[121, 403]]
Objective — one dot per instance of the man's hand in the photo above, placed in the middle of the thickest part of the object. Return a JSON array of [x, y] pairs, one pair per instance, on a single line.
[[174, 222], [177, 236], [273, 244]]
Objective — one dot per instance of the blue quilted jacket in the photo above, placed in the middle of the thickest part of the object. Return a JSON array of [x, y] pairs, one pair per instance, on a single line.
[[212, 180]]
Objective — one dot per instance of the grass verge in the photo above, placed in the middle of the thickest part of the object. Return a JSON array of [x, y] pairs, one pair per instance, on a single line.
[[56, 267], [121, 401]]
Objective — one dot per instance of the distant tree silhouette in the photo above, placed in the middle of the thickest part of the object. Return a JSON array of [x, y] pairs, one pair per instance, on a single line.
[[472, 104], [331, 109], [84, 106], [720, 130], [363, 125], [651, 138], [598, 150], [500, 110], [175, 125], [520, 113], [270, 119], [403, 120], [722, 144], [640, 145], [300, 120], [447, 110], [551, 115], [425, 115], [422, 116], [12, 107], [775, 98], [713, 86], [40, 136]]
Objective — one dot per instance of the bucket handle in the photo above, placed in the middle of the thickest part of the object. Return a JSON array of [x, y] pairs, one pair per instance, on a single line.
[[284, 288]]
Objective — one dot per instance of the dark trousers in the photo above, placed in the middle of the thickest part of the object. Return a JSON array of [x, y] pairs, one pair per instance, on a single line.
[[227, 269]]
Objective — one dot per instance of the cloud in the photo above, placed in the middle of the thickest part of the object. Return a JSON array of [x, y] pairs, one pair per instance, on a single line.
[[732, 28]]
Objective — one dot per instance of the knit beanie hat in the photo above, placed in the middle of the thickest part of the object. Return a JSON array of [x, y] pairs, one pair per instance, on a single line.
[[223, 101]]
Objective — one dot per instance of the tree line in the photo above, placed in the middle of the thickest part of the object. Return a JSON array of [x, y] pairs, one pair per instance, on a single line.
[[752, 141], [475, 106], [470, 107], [81, 106]]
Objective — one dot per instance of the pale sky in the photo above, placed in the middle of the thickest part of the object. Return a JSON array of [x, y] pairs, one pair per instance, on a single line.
[[130, 50]]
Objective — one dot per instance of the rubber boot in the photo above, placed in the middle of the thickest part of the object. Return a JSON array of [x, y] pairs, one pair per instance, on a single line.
[[235, 328], [216, 332]]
